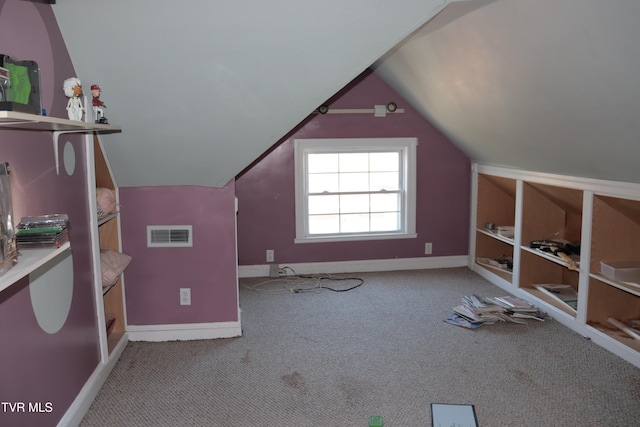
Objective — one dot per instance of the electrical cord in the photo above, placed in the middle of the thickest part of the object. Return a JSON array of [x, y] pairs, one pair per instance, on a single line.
[[296, 283]]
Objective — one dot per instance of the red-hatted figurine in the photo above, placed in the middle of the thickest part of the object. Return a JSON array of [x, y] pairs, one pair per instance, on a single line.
[[98, 105]]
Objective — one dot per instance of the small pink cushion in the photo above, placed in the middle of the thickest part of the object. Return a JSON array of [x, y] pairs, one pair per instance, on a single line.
[[112, 265]]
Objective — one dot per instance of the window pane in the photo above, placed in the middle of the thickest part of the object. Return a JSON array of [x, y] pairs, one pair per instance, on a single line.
[[389, 202], [387, 221], [320, 182], [322, 163], [354, 162], [350, 182], [354, 223], [324, 224], [380, 162], [324, 205], [389, 181], [354, 203]]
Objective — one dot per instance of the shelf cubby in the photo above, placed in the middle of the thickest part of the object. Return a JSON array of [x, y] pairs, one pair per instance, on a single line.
[[537, 270], [496, 201], [551, 212], [496, 205], [608, 301]]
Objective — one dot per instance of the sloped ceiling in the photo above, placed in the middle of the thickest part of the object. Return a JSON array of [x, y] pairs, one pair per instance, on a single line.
[[542, 85], [201, 88]]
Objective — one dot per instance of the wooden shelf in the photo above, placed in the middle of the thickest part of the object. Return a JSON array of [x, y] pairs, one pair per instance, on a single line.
[[25, 121], [603, 216], [28, 261]]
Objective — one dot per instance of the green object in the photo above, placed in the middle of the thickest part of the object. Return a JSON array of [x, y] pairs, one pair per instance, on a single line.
[[20, 84], [375, 421], [38, 230]]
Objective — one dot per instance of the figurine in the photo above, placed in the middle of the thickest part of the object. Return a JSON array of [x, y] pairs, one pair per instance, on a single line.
[[73, 89], [98, 105]]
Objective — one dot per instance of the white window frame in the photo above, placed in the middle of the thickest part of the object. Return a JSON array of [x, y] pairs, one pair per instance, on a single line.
[[406, 146]]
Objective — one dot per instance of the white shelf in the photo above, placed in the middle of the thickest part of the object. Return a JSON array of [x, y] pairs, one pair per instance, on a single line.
[[28, 261], [25, 121], [508, 240]]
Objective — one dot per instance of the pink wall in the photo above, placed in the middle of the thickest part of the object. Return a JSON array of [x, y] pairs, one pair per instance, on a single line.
[[153, 279], [36, 366], [265, 192]]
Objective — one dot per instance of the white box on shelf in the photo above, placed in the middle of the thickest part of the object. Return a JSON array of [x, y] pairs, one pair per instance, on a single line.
[[622, 270]]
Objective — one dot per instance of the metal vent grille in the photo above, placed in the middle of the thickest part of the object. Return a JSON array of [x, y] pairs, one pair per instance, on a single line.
[[169, 236]]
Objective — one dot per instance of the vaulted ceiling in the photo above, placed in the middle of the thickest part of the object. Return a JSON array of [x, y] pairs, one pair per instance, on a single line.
[[202, 88]]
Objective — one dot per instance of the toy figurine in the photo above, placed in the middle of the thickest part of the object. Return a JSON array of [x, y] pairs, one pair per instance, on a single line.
[[98, 105], [73, 89]]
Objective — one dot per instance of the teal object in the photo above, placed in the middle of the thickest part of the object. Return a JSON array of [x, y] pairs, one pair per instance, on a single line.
[[375, 421]]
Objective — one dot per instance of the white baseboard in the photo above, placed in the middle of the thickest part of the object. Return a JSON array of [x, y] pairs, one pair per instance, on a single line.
[[422, 263], [184, 332], [84, 399]]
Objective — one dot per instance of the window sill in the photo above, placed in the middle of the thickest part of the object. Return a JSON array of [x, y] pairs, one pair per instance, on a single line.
[[355, 238]]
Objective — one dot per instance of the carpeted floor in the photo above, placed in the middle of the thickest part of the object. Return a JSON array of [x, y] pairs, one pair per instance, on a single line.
[[328, 358]]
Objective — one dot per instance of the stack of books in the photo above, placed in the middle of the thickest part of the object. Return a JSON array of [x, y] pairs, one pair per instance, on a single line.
[[475, 311], [42, 231]]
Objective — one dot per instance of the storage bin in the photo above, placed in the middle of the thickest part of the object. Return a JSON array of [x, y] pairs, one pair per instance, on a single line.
[[622, 271]]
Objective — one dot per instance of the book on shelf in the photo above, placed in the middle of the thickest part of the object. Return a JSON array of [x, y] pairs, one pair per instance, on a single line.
[[560, 292]]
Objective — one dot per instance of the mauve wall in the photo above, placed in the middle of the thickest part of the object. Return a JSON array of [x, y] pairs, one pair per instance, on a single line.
[[153, 279], [266, 202], [36, 366]]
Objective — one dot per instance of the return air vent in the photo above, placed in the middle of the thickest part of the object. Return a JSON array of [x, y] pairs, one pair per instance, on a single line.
[[169, 236]]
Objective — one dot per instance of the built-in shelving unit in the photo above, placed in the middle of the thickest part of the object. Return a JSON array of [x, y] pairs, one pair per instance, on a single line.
[[600, 218], [108, 238], [104, 231]]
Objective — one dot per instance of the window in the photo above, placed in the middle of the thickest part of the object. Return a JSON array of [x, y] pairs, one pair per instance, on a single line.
[[355, 189]]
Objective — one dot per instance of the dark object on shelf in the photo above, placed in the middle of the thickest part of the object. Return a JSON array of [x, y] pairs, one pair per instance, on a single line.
[[24, 94], [555, 246], [560, 248]]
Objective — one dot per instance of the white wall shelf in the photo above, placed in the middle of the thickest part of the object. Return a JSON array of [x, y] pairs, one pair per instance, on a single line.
[[25, 121], [28, 261]]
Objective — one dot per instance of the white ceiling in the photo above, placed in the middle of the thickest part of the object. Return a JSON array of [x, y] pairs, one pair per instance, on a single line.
[[542, 85], [202, 88]]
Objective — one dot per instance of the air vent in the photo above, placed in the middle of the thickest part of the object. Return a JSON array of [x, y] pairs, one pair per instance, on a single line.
[[169, 236]]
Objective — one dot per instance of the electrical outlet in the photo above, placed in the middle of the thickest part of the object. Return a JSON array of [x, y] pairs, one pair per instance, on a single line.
[[185, 296], [428, 248], [270, 255]]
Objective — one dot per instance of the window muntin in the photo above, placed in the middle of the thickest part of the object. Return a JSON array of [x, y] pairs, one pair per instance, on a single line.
[[352, 189]]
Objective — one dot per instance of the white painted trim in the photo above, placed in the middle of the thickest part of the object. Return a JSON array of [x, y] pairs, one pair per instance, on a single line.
[[598, 186], [362, 266], [405, 146], [184, 332], [84, 399]]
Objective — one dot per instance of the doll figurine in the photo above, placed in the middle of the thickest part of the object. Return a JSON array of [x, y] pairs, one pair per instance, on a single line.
[[73, 89], [98, 105]]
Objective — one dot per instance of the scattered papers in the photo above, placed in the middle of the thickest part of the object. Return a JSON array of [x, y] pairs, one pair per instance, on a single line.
[[475, 311]]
